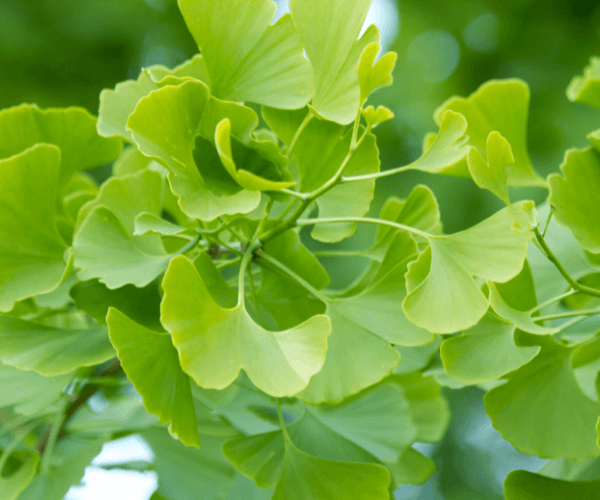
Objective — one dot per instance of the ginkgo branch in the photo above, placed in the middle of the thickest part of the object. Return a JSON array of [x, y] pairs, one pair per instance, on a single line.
[[552, 258], [553, 300], [569, 314], [54, 433], [301, 128]]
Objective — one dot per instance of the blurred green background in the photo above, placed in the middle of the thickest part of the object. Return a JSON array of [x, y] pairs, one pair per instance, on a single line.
[[64, 52]]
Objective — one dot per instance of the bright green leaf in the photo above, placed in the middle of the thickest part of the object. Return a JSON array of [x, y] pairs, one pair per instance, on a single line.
[[373, 75], [523, 485], [494, 249], [32, 251], [329, 30], [214, 343], [493, 173], [51, 351], [247, 59], [197, 177], [575, 196], [501, 106], [374, 117], [586, 89], [151, 363]]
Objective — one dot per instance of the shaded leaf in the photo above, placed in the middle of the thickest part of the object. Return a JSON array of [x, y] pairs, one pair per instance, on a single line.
[[586, 88], [523, 485], [12, 486]]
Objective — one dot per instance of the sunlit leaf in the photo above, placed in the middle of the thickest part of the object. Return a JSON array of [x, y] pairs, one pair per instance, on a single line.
[[493, 173], [501, 106], [524, 485], [329, 31], [151, 363], [575, 196], [32, 251], [214, 343], [373, 75], [374, 116], [197, 177], [247, 59], [586, 88], [51, 351], [442, 276]]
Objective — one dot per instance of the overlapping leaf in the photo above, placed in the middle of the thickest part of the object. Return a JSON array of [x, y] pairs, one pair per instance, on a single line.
[[575, 196], [72, 130], [29, 392], [151, 363], [106, 233], [51, 351], [501, 106], [443, 274], [373, 75], [586, 88], [32, 251], [542, 410], [13, 485], [215, 343], [247, 59], [329, 31], [524, 485]]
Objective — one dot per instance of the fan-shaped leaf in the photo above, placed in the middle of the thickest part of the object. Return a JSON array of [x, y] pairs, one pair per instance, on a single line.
[[524, 485], [586, 88]]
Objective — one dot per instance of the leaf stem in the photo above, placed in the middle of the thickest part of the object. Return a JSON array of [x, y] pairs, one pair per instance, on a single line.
[[296, 194], [376, 175], [248, 254], [569, 314], [282, 420], [552, 258], [294, 276], [254, 297], [333, 220], [14, 444], [552, 209], [227, 263], [190, 245], [54, 432], [298, 133], [553, 300]]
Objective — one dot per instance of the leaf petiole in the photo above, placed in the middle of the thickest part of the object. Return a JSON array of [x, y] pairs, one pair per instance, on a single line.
[[335, 220]]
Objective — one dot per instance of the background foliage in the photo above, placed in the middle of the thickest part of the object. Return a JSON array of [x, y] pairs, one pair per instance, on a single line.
[[64, 52]]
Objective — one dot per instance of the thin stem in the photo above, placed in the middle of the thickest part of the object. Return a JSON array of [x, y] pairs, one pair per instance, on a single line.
[[553, 300], [334, 220], [571, 323], [287, 209], [296, 194], [353, 144], [254, 297], [569, 314], [190, 245], [281, 420], [552, 209], [228, 263], [376, 175], [301, 128], [54, 432], [241, 277], [552, 258], [339, 253], [229, 247], [293, 275]]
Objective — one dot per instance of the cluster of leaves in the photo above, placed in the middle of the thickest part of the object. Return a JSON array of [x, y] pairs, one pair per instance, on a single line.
[[180, 291]]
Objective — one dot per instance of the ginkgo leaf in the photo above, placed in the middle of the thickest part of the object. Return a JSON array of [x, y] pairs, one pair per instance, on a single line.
[[485, 352], [446, 152], [29, 392], [494, 249], [373, 75], [524, 485], [152, 364], [149, 223], [142, 305], [258, 173], [374, 117], [366, 323], [51, 351], [13, 485], [106, 233], [208, 336], [501, 106], [493, 173], [117, 104], [575, 196], [247, 58], [542, 410], [32, 251], [586, 88], [197, 177], [72, 130], [329, 31], [287, 301]]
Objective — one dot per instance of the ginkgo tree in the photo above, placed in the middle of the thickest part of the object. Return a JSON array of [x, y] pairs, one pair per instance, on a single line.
[[181, 295]]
